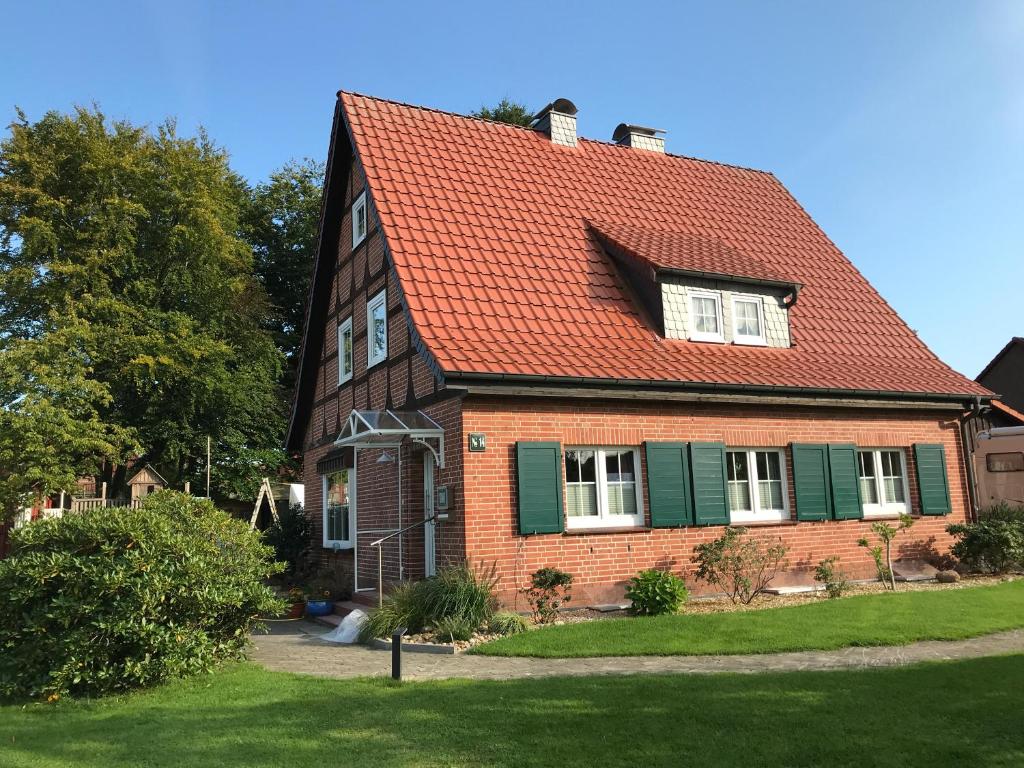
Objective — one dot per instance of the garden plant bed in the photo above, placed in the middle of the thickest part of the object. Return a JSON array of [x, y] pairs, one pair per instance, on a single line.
[[790, 623]]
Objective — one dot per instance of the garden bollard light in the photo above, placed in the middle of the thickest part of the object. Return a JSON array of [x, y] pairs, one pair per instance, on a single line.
[[396, 653]]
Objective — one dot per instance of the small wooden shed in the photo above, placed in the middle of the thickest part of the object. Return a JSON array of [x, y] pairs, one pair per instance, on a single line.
[[144, 482]]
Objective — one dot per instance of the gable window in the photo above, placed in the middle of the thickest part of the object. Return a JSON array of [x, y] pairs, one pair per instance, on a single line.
[[338, 494], [883, 482], [377, 329], [748, 320], [345, 351], [706, 315], [756, 486], [359, 220], [601, 488]]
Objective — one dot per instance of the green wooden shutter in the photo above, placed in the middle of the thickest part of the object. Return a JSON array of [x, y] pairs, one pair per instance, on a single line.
[[842, 472], [707, 462], [932, 483], [539, 482], [668, 484], [811, 481]]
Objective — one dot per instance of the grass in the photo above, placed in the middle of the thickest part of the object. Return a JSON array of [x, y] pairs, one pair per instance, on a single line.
[[954, 713], [867, 620]]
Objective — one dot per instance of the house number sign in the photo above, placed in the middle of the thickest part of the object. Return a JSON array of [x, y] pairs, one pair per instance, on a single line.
[[477, 441]]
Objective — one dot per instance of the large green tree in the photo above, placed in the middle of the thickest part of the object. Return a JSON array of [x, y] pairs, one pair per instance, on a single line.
[[137, 234], [282, 223], [506, 111]]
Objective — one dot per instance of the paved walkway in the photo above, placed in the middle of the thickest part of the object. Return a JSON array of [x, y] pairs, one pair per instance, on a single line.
[[296, 647]]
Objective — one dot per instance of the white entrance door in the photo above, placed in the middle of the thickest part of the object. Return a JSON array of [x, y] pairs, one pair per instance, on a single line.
[[429, 556]]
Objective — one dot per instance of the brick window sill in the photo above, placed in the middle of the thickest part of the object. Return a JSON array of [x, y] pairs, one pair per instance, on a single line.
[[598, 531], [766, 524]]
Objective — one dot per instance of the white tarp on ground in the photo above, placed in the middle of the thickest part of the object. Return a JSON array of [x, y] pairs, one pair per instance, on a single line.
[[348, 630]]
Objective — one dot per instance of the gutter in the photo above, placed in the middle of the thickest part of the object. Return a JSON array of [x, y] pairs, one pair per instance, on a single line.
[[462, 377]]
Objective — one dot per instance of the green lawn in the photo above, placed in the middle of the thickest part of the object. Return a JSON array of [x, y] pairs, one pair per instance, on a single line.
[[882, 619], [956, 713]]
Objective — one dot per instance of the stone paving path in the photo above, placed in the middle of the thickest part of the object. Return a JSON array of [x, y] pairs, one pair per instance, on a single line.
[[296, 647]]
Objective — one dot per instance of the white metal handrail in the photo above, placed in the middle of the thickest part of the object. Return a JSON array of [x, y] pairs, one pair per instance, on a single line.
[[380, 553]]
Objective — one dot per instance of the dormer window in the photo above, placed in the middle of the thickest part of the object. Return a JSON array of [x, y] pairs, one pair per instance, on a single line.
[[359, 220], [706, 313], [748, 320]]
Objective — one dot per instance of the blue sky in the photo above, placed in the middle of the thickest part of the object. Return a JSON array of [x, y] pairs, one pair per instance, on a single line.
[[898, 125]]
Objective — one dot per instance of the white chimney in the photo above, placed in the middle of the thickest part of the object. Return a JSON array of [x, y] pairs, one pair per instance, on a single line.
[[639, 137], [558, 121]]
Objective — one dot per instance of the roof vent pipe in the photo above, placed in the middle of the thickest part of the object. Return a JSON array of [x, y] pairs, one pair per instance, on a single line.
[[558, 121], [639, 137]]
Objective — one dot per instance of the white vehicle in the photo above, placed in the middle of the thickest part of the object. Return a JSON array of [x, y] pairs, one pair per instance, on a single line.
[[999, 466]]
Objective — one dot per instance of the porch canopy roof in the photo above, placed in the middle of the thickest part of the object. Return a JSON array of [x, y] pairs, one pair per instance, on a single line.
[[367, 428]]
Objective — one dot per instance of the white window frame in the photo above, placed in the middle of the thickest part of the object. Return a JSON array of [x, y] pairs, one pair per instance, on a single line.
[[343, 374], [883, 508], [602, 519], [696, 335], [380, 300], [742, 338], [359, 216], [756, 514], [340, 543]]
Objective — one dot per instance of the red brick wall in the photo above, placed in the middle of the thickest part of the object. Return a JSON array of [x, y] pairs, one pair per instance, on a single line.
[[603, 562]]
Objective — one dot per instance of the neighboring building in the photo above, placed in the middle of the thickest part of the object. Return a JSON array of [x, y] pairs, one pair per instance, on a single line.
[[1005, 374], [144, 482], [594, 356]]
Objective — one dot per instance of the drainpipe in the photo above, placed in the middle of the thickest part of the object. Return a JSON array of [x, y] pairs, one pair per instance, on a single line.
[[972, 485]]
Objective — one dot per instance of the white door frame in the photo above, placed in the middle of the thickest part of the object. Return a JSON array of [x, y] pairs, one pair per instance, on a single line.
[[429, 544]]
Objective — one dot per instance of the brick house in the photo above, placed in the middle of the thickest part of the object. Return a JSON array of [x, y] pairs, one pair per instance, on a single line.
[[594, 355]]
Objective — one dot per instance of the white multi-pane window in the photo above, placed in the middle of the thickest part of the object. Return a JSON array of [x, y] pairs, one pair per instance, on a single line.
[[748, 320], [377, 329], [338, 493], [359, 220], [601, 487], [345, 351], [883, 482], [756, 481], [706, 316]]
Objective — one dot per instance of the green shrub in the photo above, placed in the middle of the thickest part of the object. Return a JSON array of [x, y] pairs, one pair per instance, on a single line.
[[114, 599], [834, 579], [401, 608], [993, 544], [655, 592], [453, 629], [457, 591], [291, 536], [742, 567], [550, 588], [507, 623], [461, 591]]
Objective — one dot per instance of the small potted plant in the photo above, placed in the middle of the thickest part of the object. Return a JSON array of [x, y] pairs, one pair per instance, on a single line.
[[320, 596], [296, 603]]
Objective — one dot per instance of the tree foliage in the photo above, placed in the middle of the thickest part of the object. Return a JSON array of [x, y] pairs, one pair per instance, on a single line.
[[135, 235], [282, 223], [506, 111]]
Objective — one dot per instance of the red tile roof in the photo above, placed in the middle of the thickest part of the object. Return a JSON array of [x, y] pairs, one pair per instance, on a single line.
[[686, 252], [1000, 406], [487, 225]]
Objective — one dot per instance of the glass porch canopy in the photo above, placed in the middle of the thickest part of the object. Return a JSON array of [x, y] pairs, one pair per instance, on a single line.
[[366, 429]]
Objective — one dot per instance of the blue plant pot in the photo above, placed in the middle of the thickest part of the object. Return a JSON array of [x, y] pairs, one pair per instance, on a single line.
[[319, 607]]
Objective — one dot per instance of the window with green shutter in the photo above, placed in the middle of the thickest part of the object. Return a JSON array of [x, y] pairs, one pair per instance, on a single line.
[[668, 484], [932, 482], [811, 484], [707, 463], [539, 485], [842, 472]]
